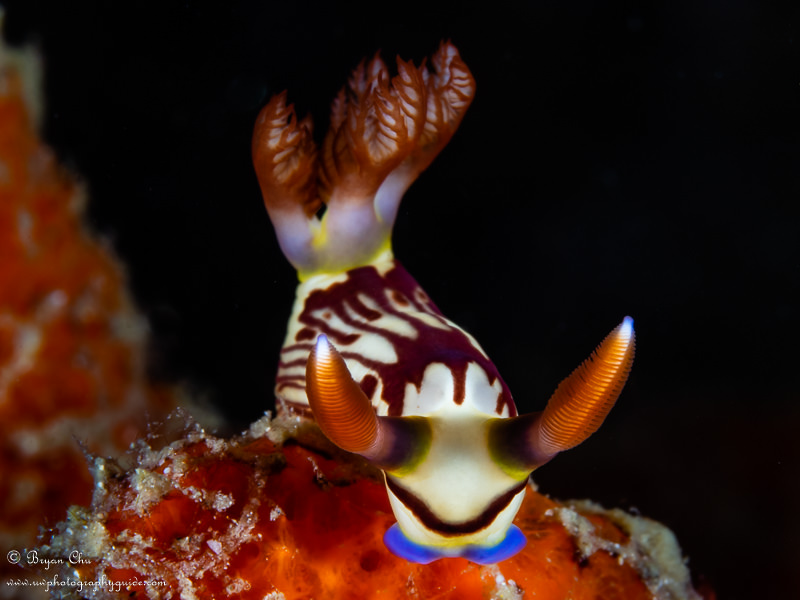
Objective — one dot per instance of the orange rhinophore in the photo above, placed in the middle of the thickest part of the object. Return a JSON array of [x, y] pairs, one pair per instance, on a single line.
[[582, 401], [352, 423]]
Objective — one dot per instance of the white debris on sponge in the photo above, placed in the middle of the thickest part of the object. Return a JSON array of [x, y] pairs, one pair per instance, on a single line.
[[651, 548], [146, 486], [503, 589]]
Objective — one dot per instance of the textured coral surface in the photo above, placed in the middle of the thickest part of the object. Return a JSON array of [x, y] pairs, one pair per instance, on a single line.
[[263, 516], [71, 353]]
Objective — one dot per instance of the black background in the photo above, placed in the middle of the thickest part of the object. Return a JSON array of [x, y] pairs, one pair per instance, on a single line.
[[619, 158]]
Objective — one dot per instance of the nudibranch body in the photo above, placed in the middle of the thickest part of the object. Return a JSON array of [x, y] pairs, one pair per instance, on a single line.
[[384, 373]]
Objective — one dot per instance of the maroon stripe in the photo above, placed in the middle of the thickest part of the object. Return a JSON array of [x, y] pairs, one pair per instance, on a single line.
[[298, 362], [301, 346], [395, 294], [434, 523], [288, 384], [282, 378]]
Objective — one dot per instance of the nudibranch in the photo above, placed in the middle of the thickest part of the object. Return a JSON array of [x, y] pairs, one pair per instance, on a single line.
[[384, 373]]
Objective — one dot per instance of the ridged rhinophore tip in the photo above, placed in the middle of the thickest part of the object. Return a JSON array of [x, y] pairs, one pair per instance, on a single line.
[[322, 348], [583, 400], [626, 327], [340, 407]]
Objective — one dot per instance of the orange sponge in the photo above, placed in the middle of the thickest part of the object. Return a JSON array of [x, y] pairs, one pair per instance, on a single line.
[[278, 513], [71, 343]]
